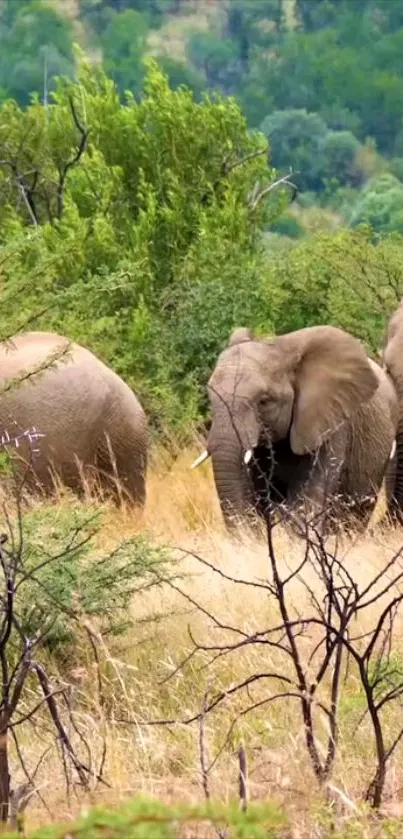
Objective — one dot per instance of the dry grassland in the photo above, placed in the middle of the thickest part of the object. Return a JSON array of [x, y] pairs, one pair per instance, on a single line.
[[140, 683]]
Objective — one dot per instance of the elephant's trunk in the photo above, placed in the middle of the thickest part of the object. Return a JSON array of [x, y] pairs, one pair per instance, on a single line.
[[228, 448]]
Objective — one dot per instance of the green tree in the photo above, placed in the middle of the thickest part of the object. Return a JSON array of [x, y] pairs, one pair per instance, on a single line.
[[164, 207], [35, 46], [296, 138], [214, 56], [124, 43], [347, 279], [380, 204], [181, 73], [339, 158], [97, 13]]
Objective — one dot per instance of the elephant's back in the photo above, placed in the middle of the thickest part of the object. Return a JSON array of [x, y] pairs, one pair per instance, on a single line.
[[61, 383], [26, 352], [41, 357], [49, 366], [70, 394], [45, 353], [74, 404]]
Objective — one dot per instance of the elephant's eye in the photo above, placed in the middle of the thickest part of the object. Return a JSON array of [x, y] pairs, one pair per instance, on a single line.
[[264, 400]]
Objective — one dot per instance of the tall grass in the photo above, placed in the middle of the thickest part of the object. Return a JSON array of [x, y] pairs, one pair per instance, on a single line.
[[139, 684]]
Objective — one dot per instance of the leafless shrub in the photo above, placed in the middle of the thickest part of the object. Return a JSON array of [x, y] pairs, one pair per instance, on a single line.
[[343, 626]]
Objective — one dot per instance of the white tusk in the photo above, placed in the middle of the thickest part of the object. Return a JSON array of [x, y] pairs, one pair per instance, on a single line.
[[202, 457], [393, 451], [248, 456]]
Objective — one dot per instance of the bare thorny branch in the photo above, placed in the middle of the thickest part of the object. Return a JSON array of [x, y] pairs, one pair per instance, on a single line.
[[335, 600]]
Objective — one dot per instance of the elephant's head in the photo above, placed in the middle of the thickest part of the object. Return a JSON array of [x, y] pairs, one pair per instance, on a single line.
[[297, 388]]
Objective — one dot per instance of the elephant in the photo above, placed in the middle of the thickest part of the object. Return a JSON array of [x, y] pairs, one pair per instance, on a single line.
[[393, 365], [306, 418], [83, 417]]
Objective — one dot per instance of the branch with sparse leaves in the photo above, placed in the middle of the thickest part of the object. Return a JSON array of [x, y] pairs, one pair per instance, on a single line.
[[19, 662], [258, 194]]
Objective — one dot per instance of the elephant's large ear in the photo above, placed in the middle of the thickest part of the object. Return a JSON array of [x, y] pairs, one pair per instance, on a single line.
[[333, 377], [240, 335], [395, 324]]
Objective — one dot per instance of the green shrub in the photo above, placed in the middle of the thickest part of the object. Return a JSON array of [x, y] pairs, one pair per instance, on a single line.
[[150, 819], [339, 158], [345, 278], [380, 204], [396, 167], [288, 225], [156, 208], [64, 576], [296, 139]]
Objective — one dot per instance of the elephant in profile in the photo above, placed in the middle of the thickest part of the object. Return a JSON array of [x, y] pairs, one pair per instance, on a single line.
[[304, 418], [88, 419]]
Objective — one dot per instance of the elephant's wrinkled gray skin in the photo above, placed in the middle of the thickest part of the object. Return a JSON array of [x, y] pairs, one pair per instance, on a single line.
[[309, 412], [393, 364], [83, 409]]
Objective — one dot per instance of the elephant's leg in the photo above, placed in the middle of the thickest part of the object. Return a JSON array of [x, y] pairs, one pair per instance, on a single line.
[[121, 453], [122, 471]]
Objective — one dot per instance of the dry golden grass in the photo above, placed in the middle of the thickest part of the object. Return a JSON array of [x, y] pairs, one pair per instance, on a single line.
[[182, 512]]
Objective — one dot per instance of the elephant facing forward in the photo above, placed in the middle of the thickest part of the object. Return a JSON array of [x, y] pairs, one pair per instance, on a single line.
[[306, 416], [89, 418]]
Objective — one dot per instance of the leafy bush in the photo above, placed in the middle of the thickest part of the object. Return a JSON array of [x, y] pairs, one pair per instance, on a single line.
[[35, 46], [346, 279], [301, 141], [396, 167], [288, 225], [339, 157], [145, 818], [164, 199], [213, 56], [296, 139], [65, 577], [380, 204], [124, 42]]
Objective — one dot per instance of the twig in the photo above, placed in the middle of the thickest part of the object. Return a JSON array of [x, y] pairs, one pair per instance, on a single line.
[[84, 133], [243, 798], [202, 745], [257, 196]]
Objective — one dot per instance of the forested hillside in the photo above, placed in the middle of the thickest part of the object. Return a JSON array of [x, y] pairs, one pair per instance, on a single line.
[[321, 78], [142, 149], [171, 170]]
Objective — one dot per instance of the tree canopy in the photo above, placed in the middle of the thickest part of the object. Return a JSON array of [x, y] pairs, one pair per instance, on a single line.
[[137, 223], [139, 210]]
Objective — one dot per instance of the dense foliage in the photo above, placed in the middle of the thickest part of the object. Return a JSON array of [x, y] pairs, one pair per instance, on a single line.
[[321, 78], [148, 818], [133, 225], [66, 575], [142, 218]]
